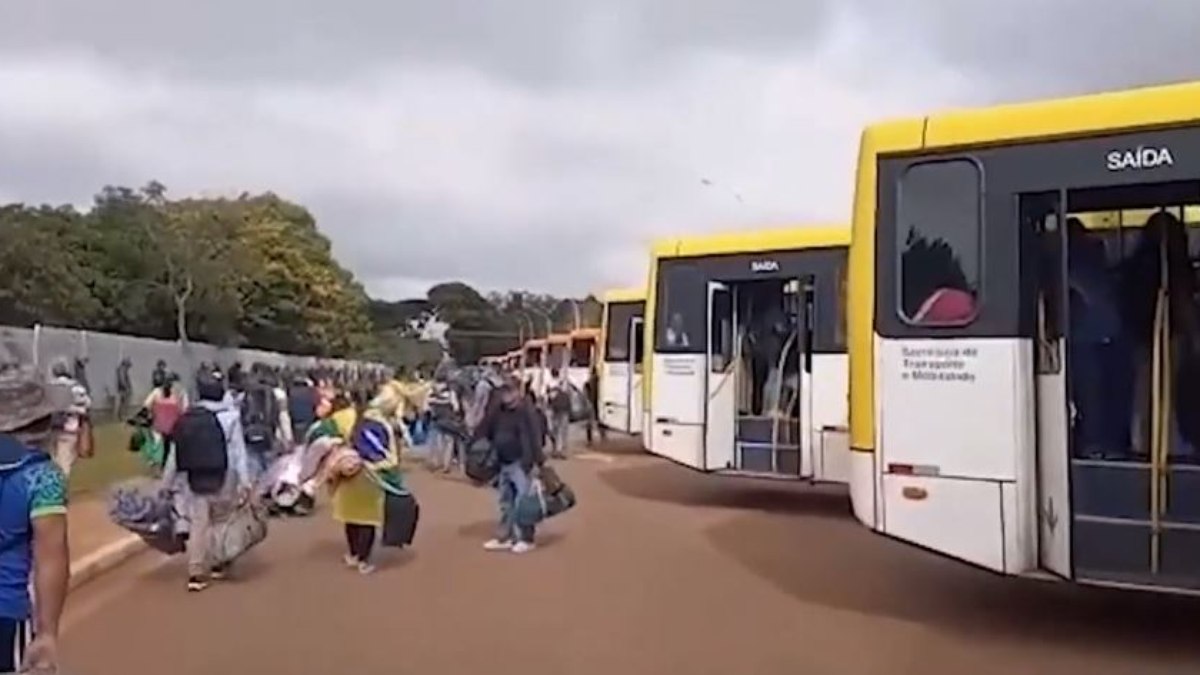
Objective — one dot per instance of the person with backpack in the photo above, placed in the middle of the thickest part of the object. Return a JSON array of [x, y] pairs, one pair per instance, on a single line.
[[302, 402], [509, 428], [446, 426], [260, 422], [558, 404], [33, 524], [209, 457]]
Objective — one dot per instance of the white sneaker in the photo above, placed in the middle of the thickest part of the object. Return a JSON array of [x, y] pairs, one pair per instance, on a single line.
[[497, 545], [524, 547]]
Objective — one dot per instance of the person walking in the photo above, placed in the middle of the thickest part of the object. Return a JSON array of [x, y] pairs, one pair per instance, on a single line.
[[593, 414], [359, 493], [558, 411], [74, 429], [33, 524], [446, 426], [210, 459], [509, 427]]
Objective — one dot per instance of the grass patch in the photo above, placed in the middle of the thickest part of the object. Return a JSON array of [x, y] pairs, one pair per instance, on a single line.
[[111, 463]]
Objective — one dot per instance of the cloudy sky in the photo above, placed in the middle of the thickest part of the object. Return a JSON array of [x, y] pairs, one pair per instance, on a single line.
[[528, 143]]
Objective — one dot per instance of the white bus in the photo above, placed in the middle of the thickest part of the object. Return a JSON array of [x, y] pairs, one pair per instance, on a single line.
[[1025, 337], [746, 339], [582, 354], [621, 360]]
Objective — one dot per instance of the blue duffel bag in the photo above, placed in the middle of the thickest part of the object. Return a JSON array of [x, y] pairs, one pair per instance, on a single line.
[[539, 503]]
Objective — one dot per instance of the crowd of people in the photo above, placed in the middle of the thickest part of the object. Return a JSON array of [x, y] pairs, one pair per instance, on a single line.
[[271, 438]]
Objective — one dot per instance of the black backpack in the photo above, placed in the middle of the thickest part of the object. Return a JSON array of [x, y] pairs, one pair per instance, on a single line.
[[302, 406], [260, 416], [200, 449]]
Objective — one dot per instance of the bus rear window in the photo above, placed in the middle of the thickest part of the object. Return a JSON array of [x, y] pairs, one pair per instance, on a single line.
[[581, 353], [620, 314], [939, 215]]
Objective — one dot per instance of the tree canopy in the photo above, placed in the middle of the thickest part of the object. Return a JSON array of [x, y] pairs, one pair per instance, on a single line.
[[250, 271]]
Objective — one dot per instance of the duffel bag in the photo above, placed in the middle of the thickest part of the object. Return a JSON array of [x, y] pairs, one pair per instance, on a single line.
[[481, 466], [538, 504], [244, 529]]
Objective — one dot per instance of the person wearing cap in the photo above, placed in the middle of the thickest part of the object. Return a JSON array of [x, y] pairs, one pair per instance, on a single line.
[[74, 437], [510, 428], [33, 523], [208, 493]]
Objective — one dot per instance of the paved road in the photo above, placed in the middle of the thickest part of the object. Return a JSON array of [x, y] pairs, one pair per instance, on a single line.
[[659, 570]]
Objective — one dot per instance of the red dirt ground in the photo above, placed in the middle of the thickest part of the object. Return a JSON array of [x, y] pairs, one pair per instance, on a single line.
[[658, 571]]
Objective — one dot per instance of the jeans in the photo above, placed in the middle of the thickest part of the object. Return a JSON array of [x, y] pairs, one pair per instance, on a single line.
[[257, 461], [513, 482], [443, 448], [560, 428]]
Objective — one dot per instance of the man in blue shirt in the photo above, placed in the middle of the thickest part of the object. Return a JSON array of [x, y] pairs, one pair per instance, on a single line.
[[33, 523]]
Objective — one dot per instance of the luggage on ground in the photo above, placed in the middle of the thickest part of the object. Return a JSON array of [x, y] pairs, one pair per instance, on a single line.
[[401, 512]]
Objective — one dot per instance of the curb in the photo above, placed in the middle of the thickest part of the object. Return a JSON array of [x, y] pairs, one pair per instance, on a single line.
[[106, 558]]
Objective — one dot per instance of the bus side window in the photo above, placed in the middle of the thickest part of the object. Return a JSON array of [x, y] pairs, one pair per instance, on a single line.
[[940, 221]]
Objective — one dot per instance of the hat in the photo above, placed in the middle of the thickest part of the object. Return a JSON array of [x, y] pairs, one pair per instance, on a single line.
[[25, 398]]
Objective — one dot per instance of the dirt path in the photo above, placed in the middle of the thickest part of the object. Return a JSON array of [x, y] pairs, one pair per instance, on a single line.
[[659, 570]]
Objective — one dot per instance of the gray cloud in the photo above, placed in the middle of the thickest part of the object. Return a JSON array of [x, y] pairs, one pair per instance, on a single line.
[[536, 41], [523, 143]]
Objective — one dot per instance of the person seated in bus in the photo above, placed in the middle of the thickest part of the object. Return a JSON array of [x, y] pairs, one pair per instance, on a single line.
[[1098, 359], [676, 332]]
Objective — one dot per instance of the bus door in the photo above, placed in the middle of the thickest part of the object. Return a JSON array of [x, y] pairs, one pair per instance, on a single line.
[[633, 422], [1041, 222], [720, 402], [1134, 385], [770, 350]]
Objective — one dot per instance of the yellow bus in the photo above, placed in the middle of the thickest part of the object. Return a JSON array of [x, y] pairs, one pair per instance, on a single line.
[[620, 396], [747, 369], [1023, 331]]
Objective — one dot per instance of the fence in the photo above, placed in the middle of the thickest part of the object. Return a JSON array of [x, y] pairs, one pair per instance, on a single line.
[[103, 353]]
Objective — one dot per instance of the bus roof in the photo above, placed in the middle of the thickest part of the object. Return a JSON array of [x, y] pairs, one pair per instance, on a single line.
[[1159, 106], [625, 295], [753, 241]]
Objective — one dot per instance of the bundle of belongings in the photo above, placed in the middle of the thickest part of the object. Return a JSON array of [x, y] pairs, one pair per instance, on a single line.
[[548, 496], [290, 484], [142, 506]]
